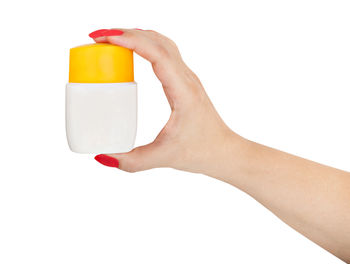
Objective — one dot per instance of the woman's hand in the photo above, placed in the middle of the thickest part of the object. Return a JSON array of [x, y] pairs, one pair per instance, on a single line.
[[312, 198], [195, 133]]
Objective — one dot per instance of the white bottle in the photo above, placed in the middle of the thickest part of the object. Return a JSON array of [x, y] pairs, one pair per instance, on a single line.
[[101, 99]]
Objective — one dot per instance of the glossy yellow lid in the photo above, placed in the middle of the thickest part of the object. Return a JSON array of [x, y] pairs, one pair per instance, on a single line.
[[100, 63]]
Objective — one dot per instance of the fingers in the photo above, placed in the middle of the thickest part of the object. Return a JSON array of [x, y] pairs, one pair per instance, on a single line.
[[150, 45], [182, 88], [160, 51]]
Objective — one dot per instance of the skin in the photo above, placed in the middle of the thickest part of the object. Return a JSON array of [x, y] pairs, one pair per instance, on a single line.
[[312, 198]]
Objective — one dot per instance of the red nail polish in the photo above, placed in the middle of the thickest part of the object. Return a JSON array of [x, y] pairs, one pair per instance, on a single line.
[[98, 33], [113, 32], [107, 160]]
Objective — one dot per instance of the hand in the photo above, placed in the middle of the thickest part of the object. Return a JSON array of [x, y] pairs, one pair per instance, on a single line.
[[195, 132], [310, 197]]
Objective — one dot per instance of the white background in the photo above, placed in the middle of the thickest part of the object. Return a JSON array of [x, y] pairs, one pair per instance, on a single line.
[[277, 72]]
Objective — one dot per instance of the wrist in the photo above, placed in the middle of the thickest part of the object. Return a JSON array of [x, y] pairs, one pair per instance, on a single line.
[[231, 159]]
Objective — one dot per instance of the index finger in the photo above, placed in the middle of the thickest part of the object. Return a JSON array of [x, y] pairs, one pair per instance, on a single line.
[[151, 45], [157, 49]]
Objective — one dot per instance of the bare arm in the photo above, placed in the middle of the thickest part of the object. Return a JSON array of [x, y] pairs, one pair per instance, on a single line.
[[312, 198]]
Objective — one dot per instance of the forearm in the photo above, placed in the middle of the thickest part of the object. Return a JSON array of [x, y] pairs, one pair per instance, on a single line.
[[312, 198]]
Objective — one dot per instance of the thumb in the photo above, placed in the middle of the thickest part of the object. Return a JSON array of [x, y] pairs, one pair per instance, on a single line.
[[141, 158]]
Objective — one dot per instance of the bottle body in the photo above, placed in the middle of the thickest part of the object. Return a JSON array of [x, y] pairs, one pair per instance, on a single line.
[[101, 117]]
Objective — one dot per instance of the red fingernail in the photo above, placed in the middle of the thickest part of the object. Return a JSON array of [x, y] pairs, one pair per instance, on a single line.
[[113, 32], [105, 33], [107, 160], [98, 33]]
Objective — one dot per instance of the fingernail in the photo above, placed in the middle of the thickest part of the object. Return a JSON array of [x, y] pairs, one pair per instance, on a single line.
[[107, 160], [98, 33], [106, 33], [113, 32]]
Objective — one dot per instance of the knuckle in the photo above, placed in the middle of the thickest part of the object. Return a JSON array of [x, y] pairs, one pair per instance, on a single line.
[[163, 51], [172, 43], [164, 45], [166, 50]]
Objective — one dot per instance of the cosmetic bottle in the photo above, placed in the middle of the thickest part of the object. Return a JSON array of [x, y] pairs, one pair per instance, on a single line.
[[101, 99]]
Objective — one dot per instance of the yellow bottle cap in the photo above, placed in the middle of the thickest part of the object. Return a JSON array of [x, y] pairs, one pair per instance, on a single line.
[[100, 63]]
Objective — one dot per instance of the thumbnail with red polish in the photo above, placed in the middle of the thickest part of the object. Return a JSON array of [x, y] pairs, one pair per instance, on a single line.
[[107, 160]]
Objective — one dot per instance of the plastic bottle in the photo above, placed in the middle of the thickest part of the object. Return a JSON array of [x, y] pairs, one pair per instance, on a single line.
[[101, 99]]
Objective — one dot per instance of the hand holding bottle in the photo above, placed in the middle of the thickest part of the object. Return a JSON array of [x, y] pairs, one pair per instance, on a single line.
[[195, 133]]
